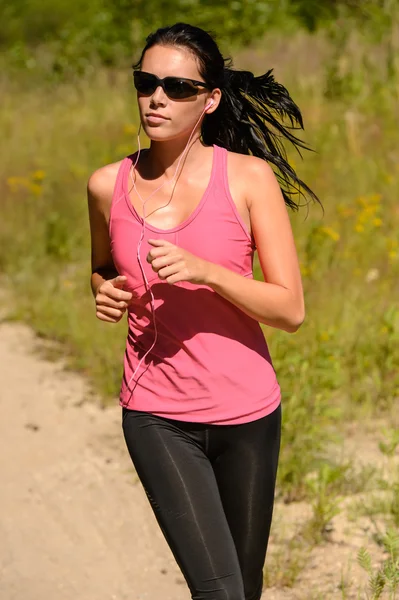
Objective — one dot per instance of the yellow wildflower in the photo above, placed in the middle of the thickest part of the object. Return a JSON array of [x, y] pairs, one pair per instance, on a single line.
[[38, 175], [370, 209], [369, 200], [359, 227], [324, 336], [377, 222], [35, 189]]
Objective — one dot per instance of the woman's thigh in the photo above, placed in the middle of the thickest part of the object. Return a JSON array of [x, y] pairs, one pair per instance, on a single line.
[[244, 460], [180, 484]]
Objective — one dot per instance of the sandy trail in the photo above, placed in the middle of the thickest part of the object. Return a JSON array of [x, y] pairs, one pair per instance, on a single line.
[[74, 520]]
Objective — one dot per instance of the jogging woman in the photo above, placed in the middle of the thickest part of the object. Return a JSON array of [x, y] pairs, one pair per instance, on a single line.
[[174, 228]]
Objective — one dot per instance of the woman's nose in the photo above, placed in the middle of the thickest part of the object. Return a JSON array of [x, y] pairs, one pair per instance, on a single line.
[[159, 96]]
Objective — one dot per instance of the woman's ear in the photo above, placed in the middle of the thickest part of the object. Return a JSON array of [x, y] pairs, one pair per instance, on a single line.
[[213, 102]]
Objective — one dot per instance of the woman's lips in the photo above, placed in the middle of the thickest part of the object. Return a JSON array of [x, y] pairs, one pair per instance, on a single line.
[[156, 118]]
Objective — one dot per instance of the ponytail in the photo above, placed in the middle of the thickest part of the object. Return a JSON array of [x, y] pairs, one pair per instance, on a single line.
[[244, 121], [240, 124]]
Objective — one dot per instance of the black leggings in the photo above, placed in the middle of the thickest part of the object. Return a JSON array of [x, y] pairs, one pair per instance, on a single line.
[[211, 488]]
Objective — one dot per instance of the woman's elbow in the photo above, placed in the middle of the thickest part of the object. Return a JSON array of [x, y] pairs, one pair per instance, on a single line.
[[295, 322]]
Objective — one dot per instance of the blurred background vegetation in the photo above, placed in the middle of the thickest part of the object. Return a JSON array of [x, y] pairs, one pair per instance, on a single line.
[[70, 36], [68, 107]]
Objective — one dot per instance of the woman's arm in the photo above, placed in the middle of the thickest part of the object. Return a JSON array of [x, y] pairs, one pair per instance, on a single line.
[[278, 301], [99, 194], [106, 283]]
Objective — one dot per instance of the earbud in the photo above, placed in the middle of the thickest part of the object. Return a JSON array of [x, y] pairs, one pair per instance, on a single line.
[[210, 103]]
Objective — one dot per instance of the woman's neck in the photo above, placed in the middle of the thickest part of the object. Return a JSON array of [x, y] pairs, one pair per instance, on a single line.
[[162, 158]]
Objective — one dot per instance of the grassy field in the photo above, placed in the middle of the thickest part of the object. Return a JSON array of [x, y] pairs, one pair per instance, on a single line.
[[341, 368]]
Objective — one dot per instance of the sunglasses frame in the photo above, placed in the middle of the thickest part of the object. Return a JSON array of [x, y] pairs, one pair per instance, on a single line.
[[161, 82]]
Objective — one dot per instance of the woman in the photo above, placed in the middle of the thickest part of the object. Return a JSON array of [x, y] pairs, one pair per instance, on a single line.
[[173, 233]]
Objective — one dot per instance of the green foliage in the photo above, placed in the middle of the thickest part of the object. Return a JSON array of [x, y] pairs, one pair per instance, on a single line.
[[394, 507], [313, 13], [67, 37], [386, 504], [387, 575], [325, 505], [389, 447], [79, 34], [372, 21], [286, 563], [234, 21], [56, 236]]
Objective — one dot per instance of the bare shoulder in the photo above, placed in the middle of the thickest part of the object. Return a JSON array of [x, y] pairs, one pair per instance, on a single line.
[[254, 174], [101, 183], [250, 165]]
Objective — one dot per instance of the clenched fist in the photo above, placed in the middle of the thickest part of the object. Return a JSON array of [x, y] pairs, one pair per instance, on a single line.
[[176, 264], [111, 300]]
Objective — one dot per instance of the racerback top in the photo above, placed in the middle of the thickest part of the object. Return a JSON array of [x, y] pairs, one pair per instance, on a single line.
[[211, 362]]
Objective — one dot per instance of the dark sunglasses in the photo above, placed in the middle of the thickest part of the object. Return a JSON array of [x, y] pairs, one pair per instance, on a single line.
[[174, 87]]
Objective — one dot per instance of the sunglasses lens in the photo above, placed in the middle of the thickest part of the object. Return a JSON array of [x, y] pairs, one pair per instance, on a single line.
[[175, 88], [144, 83], [178, 88]]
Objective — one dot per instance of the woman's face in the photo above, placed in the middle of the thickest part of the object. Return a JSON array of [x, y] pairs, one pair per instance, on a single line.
[[180, 116]]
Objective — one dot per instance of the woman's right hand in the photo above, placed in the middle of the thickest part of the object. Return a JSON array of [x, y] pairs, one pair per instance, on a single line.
[[111, 300]]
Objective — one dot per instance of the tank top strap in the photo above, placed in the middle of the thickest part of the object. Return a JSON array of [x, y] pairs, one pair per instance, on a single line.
[[219, 163], [222, 181], [219, 175], [118, 191], [221, 170], [122, 172]]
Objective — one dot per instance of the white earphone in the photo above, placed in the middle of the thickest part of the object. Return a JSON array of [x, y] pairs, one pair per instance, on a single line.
[[210, 103]]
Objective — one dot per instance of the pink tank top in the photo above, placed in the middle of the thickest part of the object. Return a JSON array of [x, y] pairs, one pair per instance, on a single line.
[[210, 363]]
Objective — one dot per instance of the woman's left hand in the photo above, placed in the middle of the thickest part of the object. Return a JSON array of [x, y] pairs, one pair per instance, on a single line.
[[176, 264]]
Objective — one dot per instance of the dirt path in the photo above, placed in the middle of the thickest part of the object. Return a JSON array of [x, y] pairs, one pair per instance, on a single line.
[[73, 525]]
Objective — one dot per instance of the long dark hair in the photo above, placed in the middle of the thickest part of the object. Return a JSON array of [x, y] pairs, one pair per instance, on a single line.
[[247, 105]]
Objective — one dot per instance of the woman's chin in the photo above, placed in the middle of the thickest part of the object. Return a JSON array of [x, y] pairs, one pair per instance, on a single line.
[[155, 134]]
